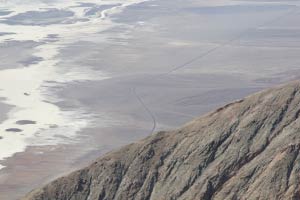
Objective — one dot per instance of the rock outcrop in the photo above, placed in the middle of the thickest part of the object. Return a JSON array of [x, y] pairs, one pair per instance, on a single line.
[[248, 149]]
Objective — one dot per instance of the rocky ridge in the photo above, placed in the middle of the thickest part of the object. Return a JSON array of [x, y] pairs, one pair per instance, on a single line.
[[248, 149]]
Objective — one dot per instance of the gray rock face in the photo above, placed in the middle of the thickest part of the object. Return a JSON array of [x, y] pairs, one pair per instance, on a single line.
[[246, 150]]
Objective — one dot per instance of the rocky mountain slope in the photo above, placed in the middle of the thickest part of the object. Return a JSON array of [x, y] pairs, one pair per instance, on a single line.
[[248, 149]]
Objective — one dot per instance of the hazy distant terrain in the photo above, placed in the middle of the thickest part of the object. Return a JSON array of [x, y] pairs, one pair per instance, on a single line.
[[96, 75]]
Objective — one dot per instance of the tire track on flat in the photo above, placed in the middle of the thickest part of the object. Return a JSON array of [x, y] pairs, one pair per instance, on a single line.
[[236, 38], [150, 113]]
